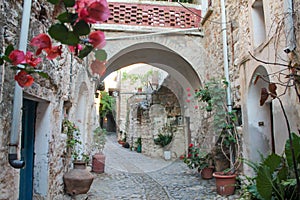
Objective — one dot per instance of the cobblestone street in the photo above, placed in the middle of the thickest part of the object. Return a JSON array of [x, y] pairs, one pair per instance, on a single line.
[[133, 176]]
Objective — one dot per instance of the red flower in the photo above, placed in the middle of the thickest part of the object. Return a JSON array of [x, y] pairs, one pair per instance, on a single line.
[[189, 155], [191, 145], [24, 79], [92, 11], [76, 48], [17, 57], [181, 157], [31, 60], [42, 41], [54, 52], [97, 39]]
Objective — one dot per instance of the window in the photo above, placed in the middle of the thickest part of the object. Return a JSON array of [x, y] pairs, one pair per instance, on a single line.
[[258, 20]]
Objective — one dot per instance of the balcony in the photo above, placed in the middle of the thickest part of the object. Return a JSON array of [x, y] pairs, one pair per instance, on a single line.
[[161, 14]]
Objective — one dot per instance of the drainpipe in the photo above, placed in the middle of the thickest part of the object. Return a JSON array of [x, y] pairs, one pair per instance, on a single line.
[[226, 71], [225, 54], [18, 95], [289, 25]]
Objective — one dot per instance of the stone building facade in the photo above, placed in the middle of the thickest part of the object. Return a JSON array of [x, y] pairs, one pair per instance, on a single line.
[[263, 29], [69, 93]]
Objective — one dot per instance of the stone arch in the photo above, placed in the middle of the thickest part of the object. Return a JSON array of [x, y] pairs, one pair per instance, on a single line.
[[185, 60], [258, 130]]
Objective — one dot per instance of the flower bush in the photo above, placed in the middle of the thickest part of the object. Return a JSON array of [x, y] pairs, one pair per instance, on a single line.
[[197, 159], [72, 29], [73, 141]]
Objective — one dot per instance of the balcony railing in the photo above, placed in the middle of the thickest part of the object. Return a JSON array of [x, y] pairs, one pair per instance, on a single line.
[[154, 15]]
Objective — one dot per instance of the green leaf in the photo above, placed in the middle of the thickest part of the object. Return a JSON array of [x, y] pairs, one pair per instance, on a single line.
[[53, 1], [84, 52], [43, 74], [71, 39], [69, 3], [58, 31], [9, 49], [67, 17], [81, 28], [272, 161], [264, 182], [288, 152], [101, 55]]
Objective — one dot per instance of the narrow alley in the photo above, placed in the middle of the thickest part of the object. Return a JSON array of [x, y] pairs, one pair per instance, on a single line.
[[131, 175]]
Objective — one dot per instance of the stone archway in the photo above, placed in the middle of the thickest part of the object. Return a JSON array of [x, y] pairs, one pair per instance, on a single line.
[[167, 59], [258, 130]]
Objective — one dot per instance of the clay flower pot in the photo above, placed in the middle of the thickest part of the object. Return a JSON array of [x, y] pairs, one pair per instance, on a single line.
[[207, 172], [225, 183], [98, 163], [78, 180]]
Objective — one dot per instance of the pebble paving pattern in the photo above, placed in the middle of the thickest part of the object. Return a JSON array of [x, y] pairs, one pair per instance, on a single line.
[[133, 176]]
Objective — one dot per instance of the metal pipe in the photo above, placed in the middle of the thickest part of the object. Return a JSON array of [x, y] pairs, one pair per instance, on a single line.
[[18, 95], [225, 55], [289, 25]]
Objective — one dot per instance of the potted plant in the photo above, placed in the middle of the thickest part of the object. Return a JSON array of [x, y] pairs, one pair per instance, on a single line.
[[98, 159], [139, 145], [77, 180], [200, 160], [164, 138], [227, 147]]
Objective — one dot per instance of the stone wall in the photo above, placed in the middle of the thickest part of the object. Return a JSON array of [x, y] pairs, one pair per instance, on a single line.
[[63, 95], [242, 67]]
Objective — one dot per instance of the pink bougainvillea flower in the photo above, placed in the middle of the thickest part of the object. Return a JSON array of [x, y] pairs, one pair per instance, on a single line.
[[54, 52], [17, 57], [24, 79], [31, 60], [188, 100], [98, 67], [76, 48], [188, 89], [98, 11], [41, 41], [189, 94], [97, 39], [196, 107], [92, 11]]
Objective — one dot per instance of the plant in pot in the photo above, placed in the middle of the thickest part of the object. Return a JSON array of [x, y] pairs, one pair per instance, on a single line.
[[200, 160], [98, 159], [77, 180], [138, 144], [164, 138], [227, 148]]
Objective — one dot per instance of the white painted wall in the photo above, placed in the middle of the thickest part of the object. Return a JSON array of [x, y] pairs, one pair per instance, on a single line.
[[41, 148]]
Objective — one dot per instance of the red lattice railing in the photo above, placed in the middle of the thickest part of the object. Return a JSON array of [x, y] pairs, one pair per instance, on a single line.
[[153, 15]]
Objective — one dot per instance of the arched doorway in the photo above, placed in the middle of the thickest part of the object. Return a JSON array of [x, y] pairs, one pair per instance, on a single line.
[[258, 134]]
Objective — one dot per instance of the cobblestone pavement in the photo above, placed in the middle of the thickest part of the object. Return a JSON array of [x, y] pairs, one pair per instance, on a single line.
[[133, 176]]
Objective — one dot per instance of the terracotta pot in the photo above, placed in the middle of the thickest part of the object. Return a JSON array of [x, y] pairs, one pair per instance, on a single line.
[[225, 183], [78, 180], [207, 172], [98, 163]]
